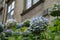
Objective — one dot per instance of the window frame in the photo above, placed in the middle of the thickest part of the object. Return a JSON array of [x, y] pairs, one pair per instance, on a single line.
[[25, 11], [26, 4]]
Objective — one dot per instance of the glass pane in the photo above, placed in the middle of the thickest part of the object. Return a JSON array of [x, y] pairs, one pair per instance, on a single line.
[[28, 4], [13, 4], [10, 15], [9, 8], [12, 12], [35, 1]]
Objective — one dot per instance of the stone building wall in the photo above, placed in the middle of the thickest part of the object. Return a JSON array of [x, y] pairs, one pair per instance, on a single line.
[[37, 11]]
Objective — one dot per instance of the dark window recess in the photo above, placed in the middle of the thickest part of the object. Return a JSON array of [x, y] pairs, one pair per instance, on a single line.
[[32, 7], [1, 8], [7, 1]]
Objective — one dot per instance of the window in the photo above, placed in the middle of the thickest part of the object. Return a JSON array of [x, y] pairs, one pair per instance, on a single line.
[[29, 3], [11, 10]]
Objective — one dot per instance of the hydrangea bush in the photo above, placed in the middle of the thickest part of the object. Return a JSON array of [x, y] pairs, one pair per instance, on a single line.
[[38, 25]]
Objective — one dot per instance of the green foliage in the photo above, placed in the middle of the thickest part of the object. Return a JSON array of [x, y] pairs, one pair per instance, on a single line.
[[27, 23], [1, 28], [24, 24], [37, 31], [55, 10], [54, 30], [55, 13]]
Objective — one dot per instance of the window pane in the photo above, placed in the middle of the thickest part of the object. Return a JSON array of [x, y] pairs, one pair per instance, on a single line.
[[10, 15], [9, 8], [28, 4], [12, 12], [13, 4], [35, 1]]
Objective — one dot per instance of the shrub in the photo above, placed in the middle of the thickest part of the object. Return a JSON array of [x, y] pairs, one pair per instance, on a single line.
[[55, 10], [27, 23], [1, 28]]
